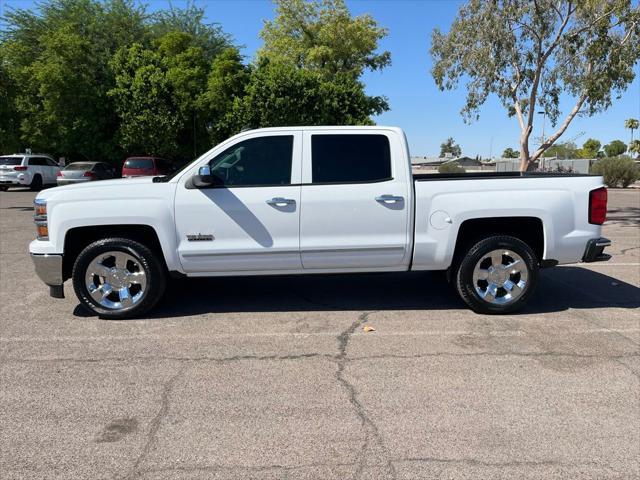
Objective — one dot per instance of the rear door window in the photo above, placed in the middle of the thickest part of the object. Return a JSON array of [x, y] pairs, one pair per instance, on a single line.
[[350, 158]]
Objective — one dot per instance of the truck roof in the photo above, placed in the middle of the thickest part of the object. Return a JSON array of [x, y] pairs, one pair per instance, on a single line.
[[324, 127]]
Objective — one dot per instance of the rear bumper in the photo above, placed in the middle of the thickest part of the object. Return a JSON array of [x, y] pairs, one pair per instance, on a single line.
[[49, 269], [71, 181], [594, 252], [13, 182]]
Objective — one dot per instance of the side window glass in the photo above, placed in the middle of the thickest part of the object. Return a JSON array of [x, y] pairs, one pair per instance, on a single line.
[[255, 162], [350, 158]]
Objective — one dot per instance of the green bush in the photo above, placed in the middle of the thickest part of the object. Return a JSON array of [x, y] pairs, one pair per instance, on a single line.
[[617, 171], [451, 167]]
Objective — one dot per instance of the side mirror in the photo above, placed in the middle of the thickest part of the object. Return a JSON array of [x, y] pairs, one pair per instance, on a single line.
[[205, 178]]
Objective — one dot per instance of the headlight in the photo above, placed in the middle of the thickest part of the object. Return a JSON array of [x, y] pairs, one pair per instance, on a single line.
[[40, 219]]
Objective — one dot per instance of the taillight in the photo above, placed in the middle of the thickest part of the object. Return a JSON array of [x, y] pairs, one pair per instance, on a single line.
[[88, 174], [59, 174], [598, 206], [19, 169]]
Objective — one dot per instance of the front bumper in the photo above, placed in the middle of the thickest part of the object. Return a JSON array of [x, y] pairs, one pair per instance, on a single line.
[[49, 269], [594, 252]]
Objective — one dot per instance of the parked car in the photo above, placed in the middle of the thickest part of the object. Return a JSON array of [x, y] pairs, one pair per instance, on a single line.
[[28, 170], [79, 172], [315, 200], [146, 166]]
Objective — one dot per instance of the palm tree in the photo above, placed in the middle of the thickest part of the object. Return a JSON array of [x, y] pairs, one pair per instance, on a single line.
[[632, 124]]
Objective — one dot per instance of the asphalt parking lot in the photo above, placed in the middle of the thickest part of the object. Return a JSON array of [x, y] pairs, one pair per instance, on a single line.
[[238, 378]]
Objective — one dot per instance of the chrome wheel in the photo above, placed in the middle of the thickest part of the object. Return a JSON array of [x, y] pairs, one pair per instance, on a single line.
[[116, 280], [500, 276]]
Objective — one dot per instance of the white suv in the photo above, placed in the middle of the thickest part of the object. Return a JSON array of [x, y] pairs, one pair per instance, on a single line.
[[30, 170]]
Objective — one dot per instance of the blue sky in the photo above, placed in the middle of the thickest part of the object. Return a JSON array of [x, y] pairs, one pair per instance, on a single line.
[[427, 115]]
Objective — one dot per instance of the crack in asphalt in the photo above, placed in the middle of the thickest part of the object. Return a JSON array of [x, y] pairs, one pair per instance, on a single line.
[[261, 468], [222, 360], [627, 367], [372, 434], [492, 354], [513, 463], [154, 426], [625, 250], [305, 356]]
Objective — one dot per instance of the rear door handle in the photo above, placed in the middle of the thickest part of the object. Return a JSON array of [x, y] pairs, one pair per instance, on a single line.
[[280, 201], [389, 199]]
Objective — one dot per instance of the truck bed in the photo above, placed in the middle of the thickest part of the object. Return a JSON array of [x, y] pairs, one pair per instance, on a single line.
[[561, 203]]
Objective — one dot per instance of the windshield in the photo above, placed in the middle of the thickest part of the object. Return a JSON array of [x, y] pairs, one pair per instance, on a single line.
[[10, 160], [140, 163], [79, 166]]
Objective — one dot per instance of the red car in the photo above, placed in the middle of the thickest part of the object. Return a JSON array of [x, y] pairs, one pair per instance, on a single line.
[[146, 166]]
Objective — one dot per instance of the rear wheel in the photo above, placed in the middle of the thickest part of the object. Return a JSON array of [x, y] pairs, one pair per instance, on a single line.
[[3, 188], [36, 183], [118, 278], [497, 275]]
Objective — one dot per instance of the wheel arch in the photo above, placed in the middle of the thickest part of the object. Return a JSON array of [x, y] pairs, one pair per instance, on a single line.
[[526, 228], [77, 238]]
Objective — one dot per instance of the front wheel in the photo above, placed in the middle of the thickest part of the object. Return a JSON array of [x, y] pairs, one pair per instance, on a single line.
[[497, 275], [118, 278]]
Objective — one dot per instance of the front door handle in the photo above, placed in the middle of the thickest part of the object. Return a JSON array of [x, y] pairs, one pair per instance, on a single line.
[[389, 199], [280, 201]]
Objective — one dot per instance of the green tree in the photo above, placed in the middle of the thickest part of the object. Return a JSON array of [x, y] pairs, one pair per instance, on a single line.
[[63, 59], [634, 148], [451, 167], [615, 148], [590, 149], [450, 146], [161, 87], [144, 101], [226, 83], [9, 125], [510, 153], [527, 53], [280, 94], [632, 124], [617, 171], [563, 150], [308, 70], [322, 36], [57, 59], [190, 20]]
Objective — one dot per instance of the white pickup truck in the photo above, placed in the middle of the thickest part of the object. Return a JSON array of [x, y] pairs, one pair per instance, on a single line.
[[308, 200]]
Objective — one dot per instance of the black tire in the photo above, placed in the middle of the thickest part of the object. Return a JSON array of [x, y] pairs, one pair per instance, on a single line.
[[464, 270], [154, 270], [3, 188], [36, 183]]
